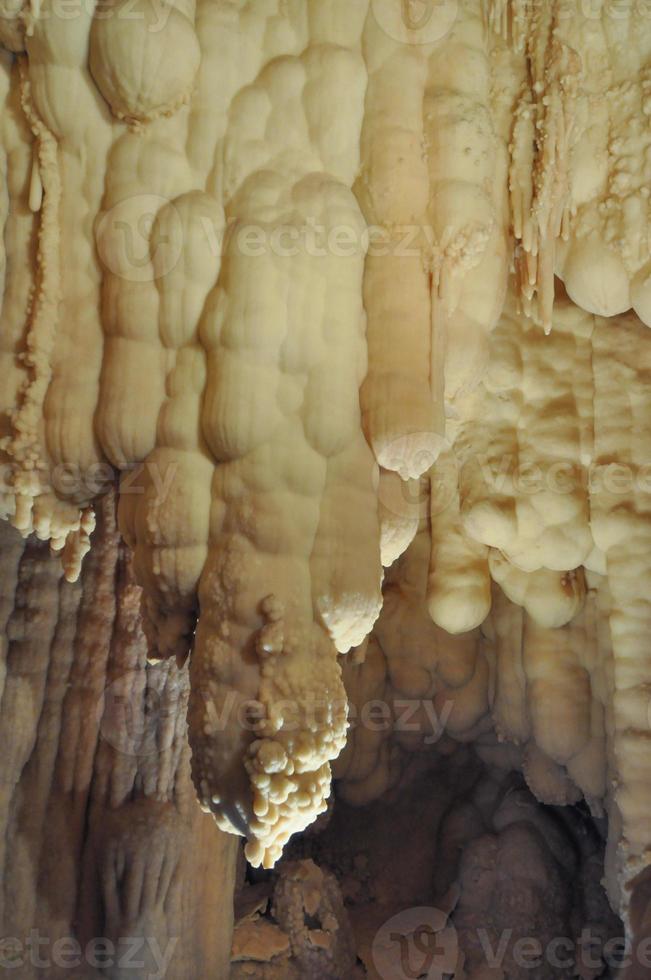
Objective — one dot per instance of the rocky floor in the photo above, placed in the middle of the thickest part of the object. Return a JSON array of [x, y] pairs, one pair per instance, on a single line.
[[462, 872]]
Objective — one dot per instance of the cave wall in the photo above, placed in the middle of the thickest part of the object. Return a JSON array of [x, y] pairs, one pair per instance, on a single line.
[[101, 834], [265, 412]]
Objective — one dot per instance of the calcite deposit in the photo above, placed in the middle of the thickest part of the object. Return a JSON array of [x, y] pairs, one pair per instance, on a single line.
[[350, 300]]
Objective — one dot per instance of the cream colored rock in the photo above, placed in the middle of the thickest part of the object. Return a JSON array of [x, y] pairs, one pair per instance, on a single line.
[[254, 264], [143, 59]]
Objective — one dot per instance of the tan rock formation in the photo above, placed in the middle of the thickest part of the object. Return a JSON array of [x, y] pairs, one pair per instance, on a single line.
[[328, 287], [105, 854]]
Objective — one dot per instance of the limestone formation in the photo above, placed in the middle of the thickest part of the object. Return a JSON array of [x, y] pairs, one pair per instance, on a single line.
[[350, 299]]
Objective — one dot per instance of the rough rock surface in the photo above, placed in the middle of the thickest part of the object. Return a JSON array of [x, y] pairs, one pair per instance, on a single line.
[[194, 296], [101, 836]]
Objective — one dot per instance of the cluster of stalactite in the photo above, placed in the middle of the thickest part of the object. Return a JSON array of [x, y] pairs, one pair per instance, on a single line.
[[323, 284]]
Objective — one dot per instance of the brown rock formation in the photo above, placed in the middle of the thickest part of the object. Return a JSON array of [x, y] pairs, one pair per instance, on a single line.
[[106, 859]]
